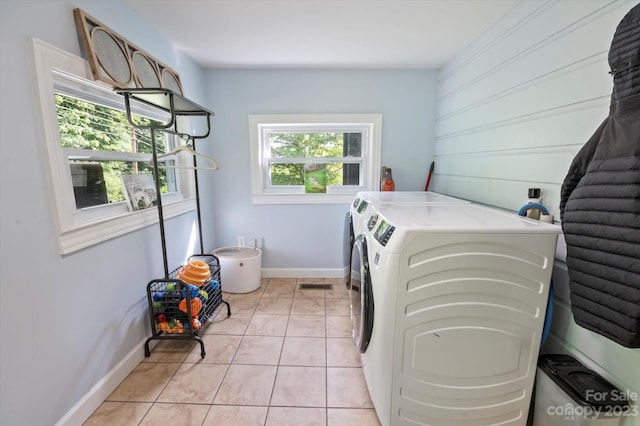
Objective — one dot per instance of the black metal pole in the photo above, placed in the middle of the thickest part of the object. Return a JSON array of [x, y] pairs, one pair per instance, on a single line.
[[159, 202], [199, 218]]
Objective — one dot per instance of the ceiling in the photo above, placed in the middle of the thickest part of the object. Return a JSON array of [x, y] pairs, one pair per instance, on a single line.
[[321, 33]]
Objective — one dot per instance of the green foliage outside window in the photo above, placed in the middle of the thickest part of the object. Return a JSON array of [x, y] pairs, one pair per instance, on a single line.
[[86, 125], [328, 145]]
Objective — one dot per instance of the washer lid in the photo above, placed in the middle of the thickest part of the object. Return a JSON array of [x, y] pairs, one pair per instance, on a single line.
[[408, 198], [464, 218]]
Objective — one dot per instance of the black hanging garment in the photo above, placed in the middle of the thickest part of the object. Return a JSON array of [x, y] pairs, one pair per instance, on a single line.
[[600, 204]]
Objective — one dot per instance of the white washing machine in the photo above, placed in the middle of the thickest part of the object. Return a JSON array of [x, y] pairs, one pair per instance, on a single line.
[[452, 306], [365, 203], [408, 198], [359, 210]]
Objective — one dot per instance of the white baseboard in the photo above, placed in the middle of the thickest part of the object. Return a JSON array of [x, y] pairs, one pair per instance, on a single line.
[[96, 396], [303, 273]]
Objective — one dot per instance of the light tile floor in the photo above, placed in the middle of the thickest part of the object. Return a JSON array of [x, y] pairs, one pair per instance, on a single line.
[[284, 357]]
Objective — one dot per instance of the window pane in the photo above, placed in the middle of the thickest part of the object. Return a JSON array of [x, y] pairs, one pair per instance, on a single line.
[[343, 174], [86, 125], [352, 145], [315, 144], [98, 182], [351, 174], [338, 174], [287, 174], [89, 186]]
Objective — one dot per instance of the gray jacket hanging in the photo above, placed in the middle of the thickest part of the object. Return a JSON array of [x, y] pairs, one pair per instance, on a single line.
[[600, 204]]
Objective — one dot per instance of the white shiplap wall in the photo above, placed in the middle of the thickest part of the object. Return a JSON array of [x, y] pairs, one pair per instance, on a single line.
[[516, 105], [513, 110]]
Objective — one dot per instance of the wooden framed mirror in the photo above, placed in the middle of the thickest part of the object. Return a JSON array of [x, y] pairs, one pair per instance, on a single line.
[[119, 63]]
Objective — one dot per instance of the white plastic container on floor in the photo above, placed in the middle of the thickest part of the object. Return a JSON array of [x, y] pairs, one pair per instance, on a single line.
[[239, 268], [570, 394]]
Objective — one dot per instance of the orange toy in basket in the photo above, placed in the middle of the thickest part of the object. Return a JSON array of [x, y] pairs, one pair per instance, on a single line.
[[194, 272], [196, 305]]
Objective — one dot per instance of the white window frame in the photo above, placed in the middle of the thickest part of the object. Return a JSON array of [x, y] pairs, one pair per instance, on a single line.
[[260, 125], [81, 228]]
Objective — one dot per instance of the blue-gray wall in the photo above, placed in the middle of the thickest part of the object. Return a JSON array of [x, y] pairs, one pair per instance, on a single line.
[[66, 322], [308, 238]]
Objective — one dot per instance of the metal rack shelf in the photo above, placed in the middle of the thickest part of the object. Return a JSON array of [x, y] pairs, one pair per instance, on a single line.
[[169, 289]]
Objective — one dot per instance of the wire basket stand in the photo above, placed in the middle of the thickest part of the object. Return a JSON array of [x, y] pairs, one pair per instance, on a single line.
[[177, 309]]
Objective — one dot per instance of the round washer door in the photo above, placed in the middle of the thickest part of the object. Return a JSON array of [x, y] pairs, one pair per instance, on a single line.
[[361, 295], [349, 240]]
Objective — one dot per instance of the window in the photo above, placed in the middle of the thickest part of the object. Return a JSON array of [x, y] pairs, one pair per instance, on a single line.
[[90, 145], [309, 158], [101, 146]]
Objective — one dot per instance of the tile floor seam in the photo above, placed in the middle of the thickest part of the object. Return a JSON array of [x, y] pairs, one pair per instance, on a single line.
[[167, 383], [273, 385], [146, 413], [326, 371], [225, 374]]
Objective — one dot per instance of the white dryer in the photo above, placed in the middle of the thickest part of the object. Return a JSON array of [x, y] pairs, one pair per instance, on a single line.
[[452, 307], [365, 204], [408, 198], [359, 210]]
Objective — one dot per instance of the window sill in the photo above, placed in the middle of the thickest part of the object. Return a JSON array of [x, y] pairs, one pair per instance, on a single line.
[[302, 198], [100, 231]]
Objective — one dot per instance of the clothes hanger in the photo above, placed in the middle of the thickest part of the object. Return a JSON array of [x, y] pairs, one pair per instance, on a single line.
[[188, 149]]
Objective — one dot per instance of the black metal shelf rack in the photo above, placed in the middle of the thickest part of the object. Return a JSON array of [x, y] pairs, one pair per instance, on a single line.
[[171, 300]]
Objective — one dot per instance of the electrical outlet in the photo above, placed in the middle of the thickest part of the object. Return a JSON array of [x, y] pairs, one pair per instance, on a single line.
[[241, 241]]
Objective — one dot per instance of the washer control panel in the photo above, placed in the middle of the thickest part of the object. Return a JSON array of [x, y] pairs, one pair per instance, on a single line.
[[362, 207], [372, 222], [384, 232]]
